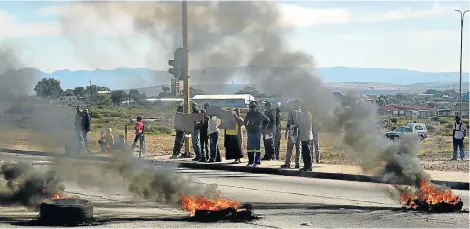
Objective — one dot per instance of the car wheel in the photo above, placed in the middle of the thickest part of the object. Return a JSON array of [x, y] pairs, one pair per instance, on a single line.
[[394, 138], [421, 137], [65, 211]]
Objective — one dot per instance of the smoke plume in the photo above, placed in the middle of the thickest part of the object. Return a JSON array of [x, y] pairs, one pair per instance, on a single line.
[[228, 34], [28, 186], [161, 185]]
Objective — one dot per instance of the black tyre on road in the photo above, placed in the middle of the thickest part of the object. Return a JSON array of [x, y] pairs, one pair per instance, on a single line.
[[66, 211]]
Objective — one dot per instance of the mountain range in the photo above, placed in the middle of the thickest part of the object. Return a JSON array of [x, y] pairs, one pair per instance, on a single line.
[[233, 79]]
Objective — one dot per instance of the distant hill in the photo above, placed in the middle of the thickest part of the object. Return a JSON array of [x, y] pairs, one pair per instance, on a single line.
[[219, 80]]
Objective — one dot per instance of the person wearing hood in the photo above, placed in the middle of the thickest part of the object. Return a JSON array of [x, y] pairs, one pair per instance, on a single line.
[[269, 133], [254, 122], [78, 124], [179, 139]]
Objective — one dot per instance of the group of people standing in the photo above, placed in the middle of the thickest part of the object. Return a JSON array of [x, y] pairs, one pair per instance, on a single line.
[[260, 126]]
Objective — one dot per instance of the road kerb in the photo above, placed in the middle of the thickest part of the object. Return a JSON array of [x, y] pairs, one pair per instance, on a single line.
[[318, 175], [247, 169]]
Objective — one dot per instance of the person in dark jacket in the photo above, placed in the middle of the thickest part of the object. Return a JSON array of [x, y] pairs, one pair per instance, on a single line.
[[254, 122], [86, 127], [269, 133], [204, 138], [179, 139], [277, 139], [195, 135], [78, 124]]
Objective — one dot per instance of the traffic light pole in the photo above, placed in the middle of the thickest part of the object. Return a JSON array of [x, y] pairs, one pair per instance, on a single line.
[[184, 15]]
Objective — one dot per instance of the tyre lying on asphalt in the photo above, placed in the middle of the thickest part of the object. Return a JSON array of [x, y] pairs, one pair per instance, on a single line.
[[65, 211]]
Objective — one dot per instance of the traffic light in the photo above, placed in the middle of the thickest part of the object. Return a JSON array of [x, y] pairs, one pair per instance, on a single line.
[[178, 64]]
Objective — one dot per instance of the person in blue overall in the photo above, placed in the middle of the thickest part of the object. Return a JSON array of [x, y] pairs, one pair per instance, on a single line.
[[254, 122]]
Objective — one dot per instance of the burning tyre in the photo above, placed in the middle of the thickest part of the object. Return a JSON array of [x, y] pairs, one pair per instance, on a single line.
[[65, 211]]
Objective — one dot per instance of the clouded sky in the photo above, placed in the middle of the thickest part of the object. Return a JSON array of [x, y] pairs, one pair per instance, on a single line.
[[419, 35]]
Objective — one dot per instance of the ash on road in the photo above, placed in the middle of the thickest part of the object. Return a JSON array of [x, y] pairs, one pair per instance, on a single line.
[[282, 202]]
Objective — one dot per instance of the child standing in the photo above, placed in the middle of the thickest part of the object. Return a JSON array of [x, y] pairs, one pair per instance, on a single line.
[[139, 134]]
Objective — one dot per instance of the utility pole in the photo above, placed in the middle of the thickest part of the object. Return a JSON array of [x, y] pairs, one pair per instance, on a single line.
[[184, 17], [462, 16], [91, 95]]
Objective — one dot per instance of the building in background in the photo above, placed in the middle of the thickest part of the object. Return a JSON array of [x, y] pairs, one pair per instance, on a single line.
[[231, 101]]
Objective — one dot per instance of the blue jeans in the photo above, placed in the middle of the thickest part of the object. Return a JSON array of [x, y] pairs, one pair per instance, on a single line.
[[254, 147], [215, 152], [195, 142], [458, 144]]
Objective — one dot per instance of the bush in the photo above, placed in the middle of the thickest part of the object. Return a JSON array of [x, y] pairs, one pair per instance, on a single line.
[[394, 120], [96, 113], [431, 128]]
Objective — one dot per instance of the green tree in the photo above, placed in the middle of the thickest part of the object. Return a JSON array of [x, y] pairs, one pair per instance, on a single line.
[[134, 94], [252, 91], [79, 91], [118, 96], [68, 92], [48, 88], [381, 101], [103, 99]]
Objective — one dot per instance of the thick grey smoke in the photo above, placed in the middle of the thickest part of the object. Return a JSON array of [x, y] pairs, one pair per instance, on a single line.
[[162, 185], [251, 34], [28, 186], [14, 81]]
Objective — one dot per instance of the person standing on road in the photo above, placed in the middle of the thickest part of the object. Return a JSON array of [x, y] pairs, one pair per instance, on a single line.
[[240, 130], [139, 134], [78, 124], [196, 134], [254, 122], [213, 132], [204, 137], [232, 142], [269, 133], [306, 136], [315, 142], [277, 140], [179, 139], [459, 131], [86, 127], [292, 136]]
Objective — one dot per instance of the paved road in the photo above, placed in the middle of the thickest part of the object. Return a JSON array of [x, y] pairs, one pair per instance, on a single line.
[[282, 202]]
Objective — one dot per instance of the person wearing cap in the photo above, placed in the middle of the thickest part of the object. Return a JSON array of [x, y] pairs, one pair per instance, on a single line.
[[459, 131], [269, 132], [254, 122], [277, 139], [86, 127]]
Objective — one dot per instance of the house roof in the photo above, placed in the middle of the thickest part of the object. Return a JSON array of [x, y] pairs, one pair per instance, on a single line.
[[236, 96], [388, 108]]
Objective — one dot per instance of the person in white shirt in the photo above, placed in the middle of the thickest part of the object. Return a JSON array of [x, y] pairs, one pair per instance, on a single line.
[[459, 132]]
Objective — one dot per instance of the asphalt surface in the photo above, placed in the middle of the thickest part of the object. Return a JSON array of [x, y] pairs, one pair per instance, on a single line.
[[280, 201]]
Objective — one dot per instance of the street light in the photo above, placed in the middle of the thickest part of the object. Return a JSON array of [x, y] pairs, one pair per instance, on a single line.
[[462, 16]]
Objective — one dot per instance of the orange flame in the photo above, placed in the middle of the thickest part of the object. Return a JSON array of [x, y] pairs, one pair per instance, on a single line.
[[193, 203], [58, 196], [429, 194]]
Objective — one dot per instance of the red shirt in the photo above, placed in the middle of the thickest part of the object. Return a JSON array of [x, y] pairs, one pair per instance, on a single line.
[[139, 127]]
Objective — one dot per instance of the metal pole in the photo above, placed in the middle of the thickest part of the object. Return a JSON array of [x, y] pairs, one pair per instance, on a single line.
[[462, 16], [184, 17]]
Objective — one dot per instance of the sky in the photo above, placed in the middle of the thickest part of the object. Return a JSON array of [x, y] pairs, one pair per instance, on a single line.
[[415, 35]]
